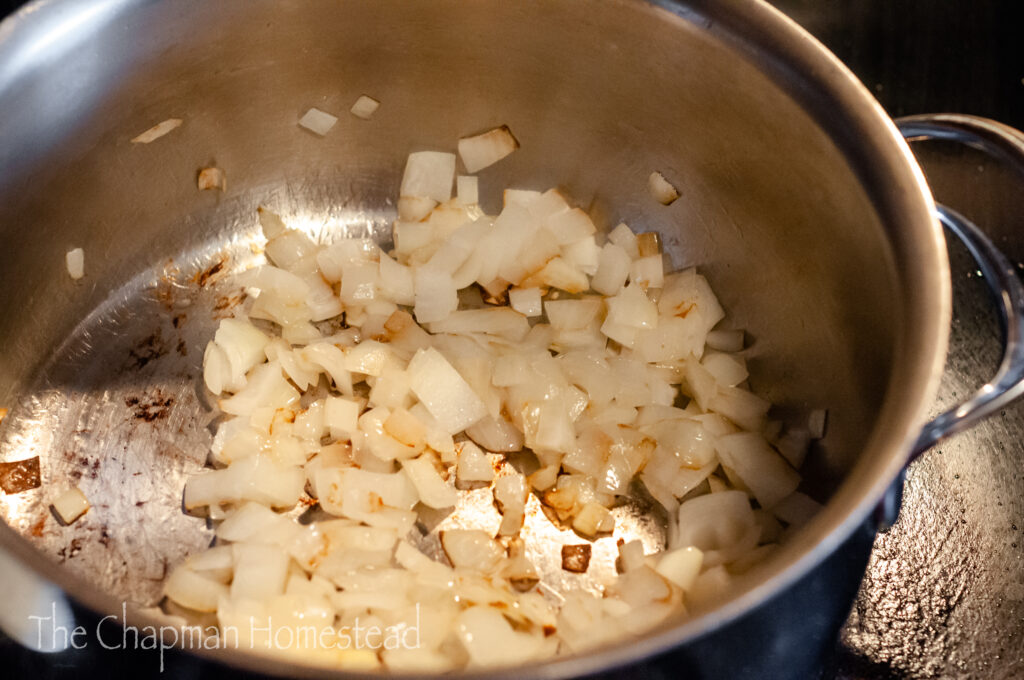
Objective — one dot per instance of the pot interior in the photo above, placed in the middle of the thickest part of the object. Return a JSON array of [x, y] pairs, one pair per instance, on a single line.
[[781, 209]]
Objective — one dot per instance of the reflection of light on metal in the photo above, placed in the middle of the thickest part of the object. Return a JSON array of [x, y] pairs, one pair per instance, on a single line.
[[35, 612], [329, 226], [76, 20]]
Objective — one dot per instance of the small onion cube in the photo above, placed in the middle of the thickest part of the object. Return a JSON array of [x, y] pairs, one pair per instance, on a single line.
[[510, 493], [445, 394], [433, 490], [661, 189], [467, 190], [429, 174], [681, 566], [74, 260], [794, 445], [71, 504], [623, 237], [473, 464], [648, 271], [613, 265], [471, 549], [341, 417], [483, 150], [490, 640], [317, 121], [570, 226], [193, 590], [593, 520], [526, 301], [762, 469], [436, 295], [797, 509], [364, 107], [212, 178]]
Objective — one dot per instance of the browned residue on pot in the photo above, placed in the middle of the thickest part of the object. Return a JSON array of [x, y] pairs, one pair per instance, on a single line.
[[20, 475]]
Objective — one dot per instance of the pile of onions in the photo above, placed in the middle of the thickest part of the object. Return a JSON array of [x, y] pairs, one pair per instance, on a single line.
[[475, 335]]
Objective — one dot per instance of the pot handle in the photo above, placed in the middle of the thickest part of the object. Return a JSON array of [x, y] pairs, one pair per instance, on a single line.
[[1000, 275]]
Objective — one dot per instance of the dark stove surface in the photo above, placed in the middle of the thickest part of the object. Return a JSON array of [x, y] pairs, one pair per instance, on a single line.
[[944, 592]]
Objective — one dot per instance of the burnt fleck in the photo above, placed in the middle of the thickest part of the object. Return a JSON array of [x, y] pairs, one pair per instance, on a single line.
[[178, 320], [37, 528], [104, 537], [150, 348], [70, 551], [203, 277], [20, 475], [149, 409], [182, 348], [227, 302], [576, 558]]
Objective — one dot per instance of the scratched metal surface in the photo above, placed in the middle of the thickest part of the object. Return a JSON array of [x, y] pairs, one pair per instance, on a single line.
[[943, 596]]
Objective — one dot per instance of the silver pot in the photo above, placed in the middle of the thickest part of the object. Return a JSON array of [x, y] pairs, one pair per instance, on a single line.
[[801, 203]]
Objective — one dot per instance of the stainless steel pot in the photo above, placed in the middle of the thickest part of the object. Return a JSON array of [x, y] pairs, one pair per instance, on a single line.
[[800, 201]]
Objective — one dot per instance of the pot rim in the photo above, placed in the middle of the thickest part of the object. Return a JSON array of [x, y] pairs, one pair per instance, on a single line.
[[835, 99]]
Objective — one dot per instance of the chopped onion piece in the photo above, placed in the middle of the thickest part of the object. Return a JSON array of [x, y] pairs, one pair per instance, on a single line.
[[510, 493], [317, 121], [71, 504], [505, 349], [473, 464], [157, 131], [623, 237], [471, 549], [613, 265], [447, 396], [433, 490], [526, 301], [212, 178], [74, 260], [593, 520], [467, 190], [341, 417], [761, 468], [486, 149], [660, 188], [797, 509], [429, 174], [194, 591], [490, 640], [364, 107], [681, 566]]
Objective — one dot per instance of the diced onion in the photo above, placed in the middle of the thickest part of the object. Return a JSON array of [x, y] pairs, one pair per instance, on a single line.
[[364, 107], [661, 189], [212, 178], [486, 149], [317, 121], [157, 131], [71, 504], [466, 190], [506, 360], [74, 260]]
